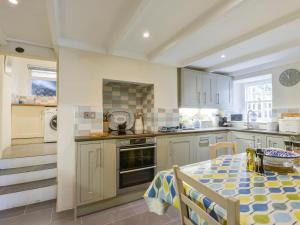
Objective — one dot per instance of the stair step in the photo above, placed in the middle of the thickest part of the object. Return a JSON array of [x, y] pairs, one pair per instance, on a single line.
[[27, 161], [27, 174], [22, 198], [27, 169], [27, 186]]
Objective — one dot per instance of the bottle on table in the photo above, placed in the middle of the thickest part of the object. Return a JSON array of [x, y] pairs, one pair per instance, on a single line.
[[250, 159], [259, 165]]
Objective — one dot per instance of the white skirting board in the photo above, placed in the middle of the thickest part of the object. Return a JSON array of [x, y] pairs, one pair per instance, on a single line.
[[28, 197], [27, 161], [27, 177]]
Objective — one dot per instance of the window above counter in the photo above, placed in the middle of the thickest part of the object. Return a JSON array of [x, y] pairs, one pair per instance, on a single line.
[[254, 95]]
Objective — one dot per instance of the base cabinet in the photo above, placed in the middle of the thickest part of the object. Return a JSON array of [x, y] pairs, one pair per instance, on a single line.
[[243, 141], [27, 121], [90, 172], [202, 148], [96, 171], [181, 150], [276, 141]]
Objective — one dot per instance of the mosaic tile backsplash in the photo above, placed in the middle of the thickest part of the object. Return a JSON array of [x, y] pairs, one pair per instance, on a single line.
[[135, 97], [160, 117], [85, 126]]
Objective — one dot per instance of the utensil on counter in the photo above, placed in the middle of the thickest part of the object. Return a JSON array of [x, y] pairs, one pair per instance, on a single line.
[[122, 128], [105, 122]]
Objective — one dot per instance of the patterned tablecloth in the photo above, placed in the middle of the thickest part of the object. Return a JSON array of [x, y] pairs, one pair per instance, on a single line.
[[270, 199]]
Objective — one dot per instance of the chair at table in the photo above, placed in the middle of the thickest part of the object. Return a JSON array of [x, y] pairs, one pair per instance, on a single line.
[[231, 205], [214, 148]]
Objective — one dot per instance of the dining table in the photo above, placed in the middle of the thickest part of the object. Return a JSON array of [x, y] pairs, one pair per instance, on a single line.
[[269, 198]]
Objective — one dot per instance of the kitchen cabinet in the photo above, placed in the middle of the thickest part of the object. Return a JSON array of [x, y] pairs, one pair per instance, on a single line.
[[190, 88], [27, 121], [181, 150], [222, 91], [162, 154], [243, 141], [276, 141], [202, 151], [95, 171], [199, 89], [222, 137], [90, 172]]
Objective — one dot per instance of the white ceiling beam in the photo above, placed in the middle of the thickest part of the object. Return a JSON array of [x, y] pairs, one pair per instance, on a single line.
[[204, 19], [252, 34], [255, 55], [3, 39], [54, 21], [127, 25], [264, 68]]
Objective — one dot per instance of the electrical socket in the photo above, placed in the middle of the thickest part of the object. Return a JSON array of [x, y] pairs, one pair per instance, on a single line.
[[89, 115]]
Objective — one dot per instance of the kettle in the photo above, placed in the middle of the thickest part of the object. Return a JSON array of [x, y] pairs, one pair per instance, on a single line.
[[122, 128]]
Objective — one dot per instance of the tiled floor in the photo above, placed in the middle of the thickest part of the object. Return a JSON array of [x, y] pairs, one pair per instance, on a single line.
[[20, 151], [134, 213]]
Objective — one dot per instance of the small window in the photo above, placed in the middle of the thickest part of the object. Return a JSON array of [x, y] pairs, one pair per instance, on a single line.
[[258, 98], [43, 81]]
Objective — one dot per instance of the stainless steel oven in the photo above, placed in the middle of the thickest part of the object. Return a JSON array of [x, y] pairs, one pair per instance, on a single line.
[[136, 163]]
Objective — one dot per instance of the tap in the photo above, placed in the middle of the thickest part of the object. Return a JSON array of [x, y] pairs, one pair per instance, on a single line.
[[248, 118]]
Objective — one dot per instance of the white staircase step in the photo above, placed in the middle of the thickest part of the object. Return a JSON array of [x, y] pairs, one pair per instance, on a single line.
[[27, 161], [27, 193], [27, 174]]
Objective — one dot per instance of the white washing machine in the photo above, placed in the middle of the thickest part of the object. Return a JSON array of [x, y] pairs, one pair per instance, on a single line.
[[50, 134]]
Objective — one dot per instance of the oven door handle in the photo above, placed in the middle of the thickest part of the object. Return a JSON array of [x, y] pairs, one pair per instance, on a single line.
[[138, 148], [136, 170]]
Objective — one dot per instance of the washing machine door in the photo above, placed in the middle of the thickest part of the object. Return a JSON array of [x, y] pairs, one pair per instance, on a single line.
[[53, 122]]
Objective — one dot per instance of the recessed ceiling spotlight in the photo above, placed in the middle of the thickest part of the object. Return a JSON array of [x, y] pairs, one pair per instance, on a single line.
[[14, 2], [223, 56], [146, 34]]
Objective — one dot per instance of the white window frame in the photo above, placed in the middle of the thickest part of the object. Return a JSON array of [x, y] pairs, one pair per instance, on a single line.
[[32, 68], [269, 110]]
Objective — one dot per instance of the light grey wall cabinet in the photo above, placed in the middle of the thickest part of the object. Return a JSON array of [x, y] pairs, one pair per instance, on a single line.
[[222, 91], [190, 95], [95, 171], [199, 89]]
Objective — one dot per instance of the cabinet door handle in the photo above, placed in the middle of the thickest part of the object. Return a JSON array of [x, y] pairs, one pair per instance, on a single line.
[[98, 159]]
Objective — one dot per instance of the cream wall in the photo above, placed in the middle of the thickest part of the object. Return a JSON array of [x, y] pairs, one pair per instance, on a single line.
[[21, 80], [80, 83], [283, 97], [5, 107]]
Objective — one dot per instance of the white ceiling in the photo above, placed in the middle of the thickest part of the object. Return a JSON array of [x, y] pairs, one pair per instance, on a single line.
[[253, 34]]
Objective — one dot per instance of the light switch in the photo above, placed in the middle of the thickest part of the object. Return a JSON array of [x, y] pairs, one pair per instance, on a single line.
[[89, 115]]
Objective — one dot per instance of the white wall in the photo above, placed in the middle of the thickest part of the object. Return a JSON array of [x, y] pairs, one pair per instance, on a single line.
[[1, 100], [21, 80], [80, 83], [5, 103], [283, 97]]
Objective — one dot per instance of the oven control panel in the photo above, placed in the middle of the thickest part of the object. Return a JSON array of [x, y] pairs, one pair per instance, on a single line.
[[136, 141]]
